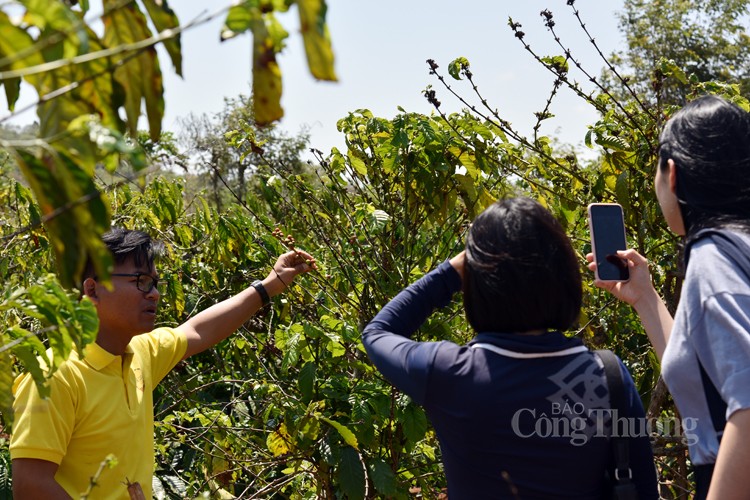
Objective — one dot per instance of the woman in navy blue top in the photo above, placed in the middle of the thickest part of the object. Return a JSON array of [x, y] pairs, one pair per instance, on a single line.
[[522, 411]]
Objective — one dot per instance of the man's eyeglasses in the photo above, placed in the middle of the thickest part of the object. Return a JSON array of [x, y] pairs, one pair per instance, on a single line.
[[144, 282]]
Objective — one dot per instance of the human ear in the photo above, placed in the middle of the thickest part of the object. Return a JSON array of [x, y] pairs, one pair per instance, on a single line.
[[672, 175], [89, 289]]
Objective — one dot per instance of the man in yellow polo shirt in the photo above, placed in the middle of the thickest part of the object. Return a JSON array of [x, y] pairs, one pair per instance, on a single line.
[[101, 402]]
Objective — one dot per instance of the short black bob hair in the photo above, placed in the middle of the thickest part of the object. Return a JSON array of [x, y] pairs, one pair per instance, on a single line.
[[126, 244], [521, 273], [709, 141]]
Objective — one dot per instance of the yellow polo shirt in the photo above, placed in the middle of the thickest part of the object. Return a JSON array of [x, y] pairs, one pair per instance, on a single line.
[[99, 405]]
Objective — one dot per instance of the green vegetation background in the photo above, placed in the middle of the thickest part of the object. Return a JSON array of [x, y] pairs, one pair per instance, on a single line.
[[289, 407]]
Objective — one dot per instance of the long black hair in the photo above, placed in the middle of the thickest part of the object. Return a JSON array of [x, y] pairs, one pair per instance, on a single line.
[[709, 142], [521, 271]]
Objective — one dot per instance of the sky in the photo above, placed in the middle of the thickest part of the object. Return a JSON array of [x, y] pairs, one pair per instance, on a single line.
[[381, 48]]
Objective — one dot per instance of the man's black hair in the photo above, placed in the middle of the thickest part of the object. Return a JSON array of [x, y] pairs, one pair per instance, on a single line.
[[125, 244]]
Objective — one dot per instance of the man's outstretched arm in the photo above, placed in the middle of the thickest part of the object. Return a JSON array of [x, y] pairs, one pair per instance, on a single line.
[[216, 323]]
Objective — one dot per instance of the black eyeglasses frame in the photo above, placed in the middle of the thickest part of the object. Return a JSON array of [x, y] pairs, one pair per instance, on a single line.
[[137, 276]]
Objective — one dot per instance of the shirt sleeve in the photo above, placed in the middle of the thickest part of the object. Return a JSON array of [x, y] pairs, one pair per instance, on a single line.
[[167, 347], [404, 362], [55, 416], [641, 454]]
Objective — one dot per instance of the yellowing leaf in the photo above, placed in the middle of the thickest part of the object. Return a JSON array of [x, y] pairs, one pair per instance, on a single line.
[[279, 442], [12, 41], [467, 161], [53, 15], [90, 96], [59, 185], [266, 76], [358, 165], [312, 20], [164, 18], [309, 427], [140, 76], [348, 435]]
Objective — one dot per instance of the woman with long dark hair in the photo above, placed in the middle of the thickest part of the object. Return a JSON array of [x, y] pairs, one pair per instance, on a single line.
[[703, 187], [522, 411]]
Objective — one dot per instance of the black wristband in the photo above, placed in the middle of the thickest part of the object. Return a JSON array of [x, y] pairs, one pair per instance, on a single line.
[[264, 298]]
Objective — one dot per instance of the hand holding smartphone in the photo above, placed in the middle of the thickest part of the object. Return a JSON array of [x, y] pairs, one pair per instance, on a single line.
[[607, 227]]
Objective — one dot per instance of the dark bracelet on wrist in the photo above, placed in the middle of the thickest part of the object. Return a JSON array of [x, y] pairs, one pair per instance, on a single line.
[[264, 298]]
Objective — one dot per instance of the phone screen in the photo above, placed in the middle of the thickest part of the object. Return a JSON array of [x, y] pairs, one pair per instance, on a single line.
[[607, 237]]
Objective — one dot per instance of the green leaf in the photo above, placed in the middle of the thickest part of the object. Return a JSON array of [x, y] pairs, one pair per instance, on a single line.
[[383, 478], [357, 164], [669, 68], [612, 143], [6, 384], [335, 346], [306, 381], [288, 340], [12, 91], [415, 422], [176, 294], [109, 145], [351, 474], [32, 365], [312, 19], [558, 63], [622, 191], [60, 340], [379, 219], [86, 323], [30, 341], [456, 66], [239, 19], [345, 433], [587, 139], [93, 88]]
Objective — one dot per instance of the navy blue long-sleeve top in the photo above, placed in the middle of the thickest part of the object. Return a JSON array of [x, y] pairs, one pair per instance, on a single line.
[[527, 417]]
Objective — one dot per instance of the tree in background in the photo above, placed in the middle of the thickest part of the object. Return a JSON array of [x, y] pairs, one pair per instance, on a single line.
[[227, 148], [706, 40]]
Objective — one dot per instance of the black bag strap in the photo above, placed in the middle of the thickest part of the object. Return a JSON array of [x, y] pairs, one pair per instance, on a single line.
[[624, 487], [717, 407]]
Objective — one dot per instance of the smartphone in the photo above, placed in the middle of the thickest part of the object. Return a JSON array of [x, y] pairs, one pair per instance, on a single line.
[[607, 227]]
